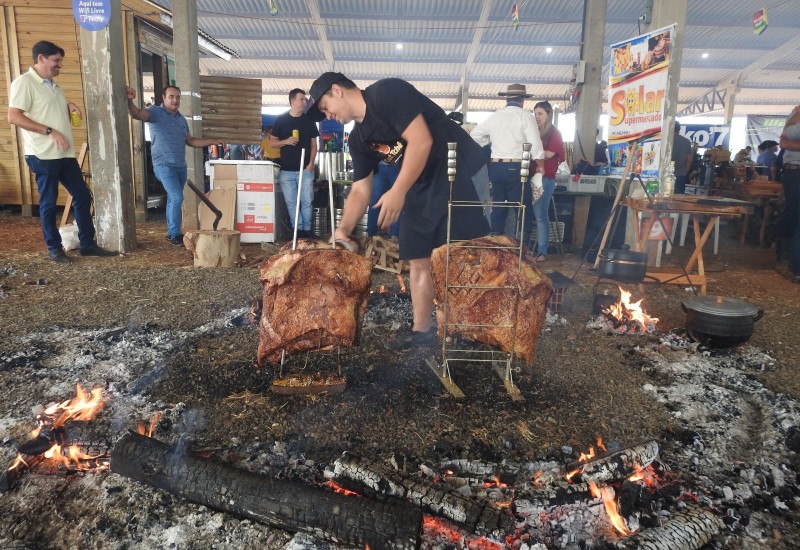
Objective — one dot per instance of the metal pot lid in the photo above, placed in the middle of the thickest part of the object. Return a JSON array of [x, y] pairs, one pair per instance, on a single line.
[[720, 305]]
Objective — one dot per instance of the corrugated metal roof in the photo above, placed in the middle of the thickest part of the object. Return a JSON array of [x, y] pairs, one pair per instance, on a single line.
[[446, 41]]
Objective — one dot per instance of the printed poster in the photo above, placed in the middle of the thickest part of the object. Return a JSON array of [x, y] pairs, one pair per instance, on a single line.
[[637, 92]]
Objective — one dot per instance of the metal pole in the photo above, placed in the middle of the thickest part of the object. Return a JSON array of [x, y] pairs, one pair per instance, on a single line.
[[297, 206]]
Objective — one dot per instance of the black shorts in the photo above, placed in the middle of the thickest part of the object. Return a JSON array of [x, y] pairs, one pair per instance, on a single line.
[[423, 225]]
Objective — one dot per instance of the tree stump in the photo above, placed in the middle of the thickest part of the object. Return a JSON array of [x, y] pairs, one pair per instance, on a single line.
[[213, 248]]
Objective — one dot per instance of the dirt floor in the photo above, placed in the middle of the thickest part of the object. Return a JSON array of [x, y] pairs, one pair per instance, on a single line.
[[583, 384]]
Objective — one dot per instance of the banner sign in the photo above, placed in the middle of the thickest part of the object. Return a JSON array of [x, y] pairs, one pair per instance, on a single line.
[[707, 135], [762, 128], [92, 15], [760, 22], [636, 99]]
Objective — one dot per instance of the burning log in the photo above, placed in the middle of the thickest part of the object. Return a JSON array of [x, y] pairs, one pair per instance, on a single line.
[[341, 518], [689, 529], [378, 480], [617, 465]]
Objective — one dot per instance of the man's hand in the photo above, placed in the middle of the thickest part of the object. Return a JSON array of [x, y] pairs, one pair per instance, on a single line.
[[391, 205], [72, 108], [344, 239], [60, 141], [130, 92], [291, 140]]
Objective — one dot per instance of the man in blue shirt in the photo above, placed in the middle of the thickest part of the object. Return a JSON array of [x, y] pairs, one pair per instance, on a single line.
[[170, 133]]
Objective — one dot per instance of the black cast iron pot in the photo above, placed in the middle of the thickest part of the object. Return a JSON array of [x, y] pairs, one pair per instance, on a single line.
[[603, 300], [623, 265], [720, 322]]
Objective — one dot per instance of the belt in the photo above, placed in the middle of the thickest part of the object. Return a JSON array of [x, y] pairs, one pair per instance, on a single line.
[[506, 160], [790, 166]]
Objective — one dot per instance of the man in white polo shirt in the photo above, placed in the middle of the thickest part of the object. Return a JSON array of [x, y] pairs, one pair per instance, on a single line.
[[37, 105]]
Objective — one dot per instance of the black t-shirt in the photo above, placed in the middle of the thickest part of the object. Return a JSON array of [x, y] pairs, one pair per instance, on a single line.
[[392, 104], [282, 129]]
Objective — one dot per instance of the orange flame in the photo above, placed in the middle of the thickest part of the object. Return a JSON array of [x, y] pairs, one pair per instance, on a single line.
[[382, 289], [17, 461], [607, 494], [402, 284], [627, 311], [71, 457], [148, 431], [82, 407], [572, 474]]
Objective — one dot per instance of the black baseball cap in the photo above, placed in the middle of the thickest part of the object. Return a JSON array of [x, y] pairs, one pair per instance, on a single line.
[[318, 89]]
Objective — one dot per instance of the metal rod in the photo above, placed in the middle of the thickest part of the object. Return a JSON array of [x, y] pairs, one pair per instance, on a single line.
[[299, 188], [333, 205]]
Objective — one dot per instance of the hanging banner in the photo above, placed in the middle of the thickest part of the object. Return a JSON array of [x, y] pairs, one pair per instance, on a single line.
[[760, 22], [707, 135], [92, 15], [762, 128], [636, 97]]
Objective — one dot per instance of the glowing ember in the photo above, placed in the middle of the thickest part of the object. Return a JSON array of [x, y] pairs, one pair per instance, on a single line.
[[626, 313], [495, 483], [402, 284], [607, 494], [647, 476], [339, 489], [436, 527]]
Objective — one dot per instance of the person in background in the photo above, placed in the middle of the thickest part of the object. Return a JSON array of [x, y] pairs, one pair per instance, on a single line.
[[170, 133], [505, 131], [767, 158], [553, 145], [237, 152], [37, 106], [682, 156], [395, 123], [743, 156], [268, 152], [789, 227], [382, 181], [292, 132]]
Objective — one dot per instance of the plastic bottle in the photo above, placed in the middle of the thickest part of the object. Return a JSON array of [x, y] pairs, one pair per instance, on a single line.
[[668, 181]]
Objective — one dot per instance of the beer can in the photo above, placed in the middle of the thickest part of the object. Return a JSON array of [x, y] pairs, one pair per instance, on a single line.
[[76, 118], [296, 134]]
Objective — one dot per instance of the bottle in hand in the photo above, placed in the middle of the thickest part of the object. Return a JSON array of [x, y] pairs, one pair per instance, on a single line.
[[75, 116]]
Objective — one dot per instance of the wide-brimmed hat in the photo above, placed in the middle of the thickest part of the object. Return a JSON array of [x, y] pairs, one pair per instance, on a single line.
[[515, 90]]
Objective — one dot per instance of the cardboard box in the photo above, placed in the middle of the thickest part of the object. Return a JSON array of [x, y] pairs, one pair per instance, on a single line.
[[587, 184], [255, 185]]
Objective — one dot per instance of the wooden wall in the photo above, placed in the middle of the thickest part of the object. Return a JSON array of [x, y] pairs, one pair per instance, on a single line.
[[22, 24], [231, 109]]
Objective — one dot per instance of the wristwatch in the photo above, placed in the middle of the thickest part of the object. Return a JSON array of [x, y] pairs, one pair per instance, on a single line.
[[48, 131]]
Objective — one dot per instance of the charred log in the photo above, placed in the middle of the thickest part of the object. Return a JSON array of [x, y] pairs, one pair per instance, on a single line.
[[378, 480], [618, 465], [79, 434], [290, 506], [554, 496], [690, 529]]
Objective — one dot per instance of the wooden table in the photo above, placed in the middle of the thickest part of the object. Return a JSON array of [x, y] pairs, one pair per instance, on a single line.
[[695, 206]]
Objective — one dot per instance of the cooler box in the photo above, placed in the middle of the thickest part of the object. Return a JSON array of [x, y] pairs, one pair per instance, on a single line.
[[256, 184], [587, 184]]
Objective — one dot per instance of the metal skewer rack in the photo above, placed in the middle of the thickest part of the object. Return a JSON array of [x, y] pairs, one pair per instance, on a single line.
[[502, 362]]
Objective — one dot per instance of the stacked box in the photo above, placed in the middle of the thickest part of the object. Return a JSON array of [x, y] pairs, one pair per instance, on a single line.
[[256, 183]]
